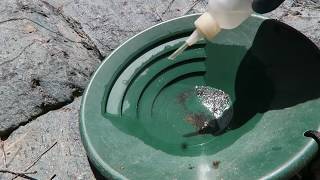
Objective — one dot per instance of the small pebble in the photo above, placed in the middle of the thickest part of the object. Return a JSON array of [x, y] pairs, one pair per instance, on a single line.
[[29, 28], [296, 13]]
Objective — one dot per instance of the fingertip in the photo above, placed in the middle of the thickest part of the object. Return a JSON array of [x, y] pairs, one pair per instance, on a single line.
[[265, 6]]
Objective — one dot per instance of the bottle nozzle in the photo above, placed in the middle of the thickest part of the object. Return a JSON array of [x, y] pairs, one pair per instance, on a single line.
[[178, 51], [206, 26], [193, 38]]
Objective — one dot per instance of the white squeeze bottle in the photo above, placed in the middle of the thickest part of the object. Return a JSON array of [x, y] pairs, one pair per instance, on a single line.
[[221, 14]]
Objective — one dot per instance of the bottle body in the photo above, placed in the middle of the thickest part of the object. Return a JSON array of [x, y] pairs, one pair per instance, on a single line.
[[230, 13]]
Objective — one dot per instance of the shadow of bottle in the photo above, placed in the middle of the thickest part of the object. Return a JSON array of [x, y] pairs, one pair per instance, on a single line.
[[280, 70]]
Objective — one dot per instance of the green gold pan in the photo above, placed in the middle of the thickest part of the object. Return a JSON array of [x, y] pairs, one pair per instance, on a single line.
[[139, 114]]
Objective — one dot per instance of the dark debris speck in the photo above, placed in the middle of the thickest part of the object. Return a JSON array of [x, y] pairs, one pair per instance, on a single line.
[[215, 164], [184, 146], [190, 166]]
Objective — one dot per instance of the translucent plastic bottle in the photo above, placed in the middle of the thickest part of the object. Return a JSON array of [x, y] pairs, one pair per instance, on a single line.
[[221, 14]]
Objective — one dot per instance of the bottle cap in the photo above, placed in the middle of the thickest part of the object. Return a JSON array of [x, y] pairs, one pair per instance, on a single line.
[[207, 26]]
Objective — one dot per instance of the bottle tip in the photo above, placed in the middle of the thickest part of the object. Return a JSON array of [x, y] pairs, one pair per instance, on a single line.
[[176, 53]]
